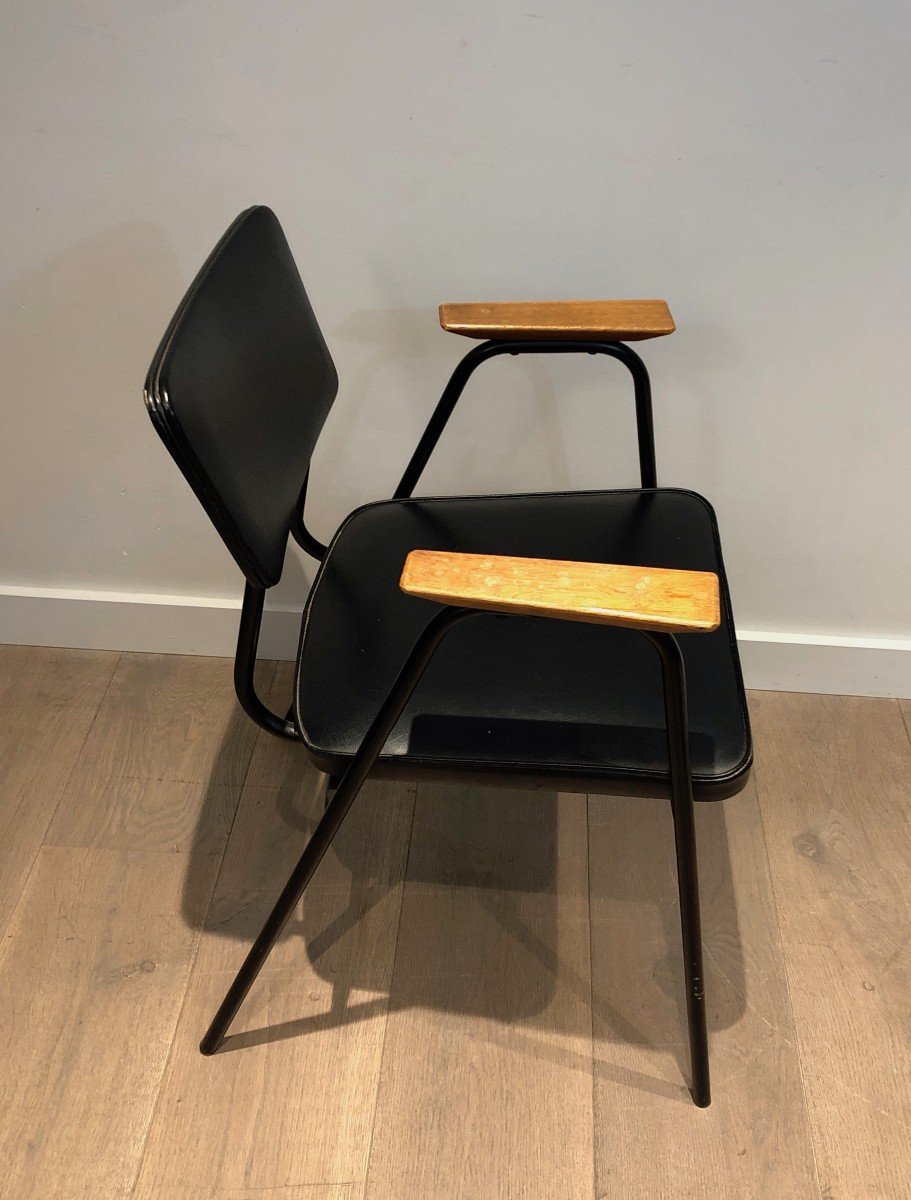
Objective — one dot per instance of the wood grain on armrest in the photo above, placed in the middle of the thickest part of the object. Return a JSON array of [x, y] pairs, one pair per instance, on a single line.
[[566, 320], [653, 598]]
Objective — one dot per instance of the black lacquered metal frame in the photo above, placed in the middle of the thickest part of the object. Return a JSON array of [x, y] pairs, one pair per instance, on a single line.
[[473, 359], [343, 791], [254, 597]]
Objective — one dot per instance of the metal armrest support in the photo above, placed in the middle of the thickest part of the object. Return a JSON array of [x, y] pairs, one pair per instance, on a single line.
[[490, 349], [652, 601], [674, 684]]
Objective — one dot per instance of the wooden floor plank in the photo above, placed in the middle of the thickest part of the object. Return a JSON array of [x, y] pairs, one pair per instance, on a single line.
[[118, 813], [165, 760], [318, 1191], [49, 698], [170, 717], [289, 1100], [834, 782], [486, 1083], [154, 789], [465, 1055], [92, 975], [753, 1142]]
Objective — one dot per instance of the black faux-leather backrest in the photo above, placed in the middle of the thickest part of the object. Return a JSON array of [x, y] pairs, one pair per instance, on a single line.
[[240, 387]]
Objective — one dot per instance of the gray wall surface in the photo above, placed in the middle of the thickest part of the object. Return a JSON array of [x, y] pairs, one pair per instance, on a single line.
[[751, 164]]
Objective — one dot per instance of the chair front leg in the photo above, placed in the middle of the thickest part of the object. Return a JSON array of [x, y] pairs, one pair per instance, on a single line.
[[331, 820], [674, 680], [332, 782]]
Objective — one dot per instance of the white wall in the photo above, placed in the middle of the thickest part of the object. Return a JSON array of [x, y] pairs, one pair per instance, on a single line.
[[751, 163]]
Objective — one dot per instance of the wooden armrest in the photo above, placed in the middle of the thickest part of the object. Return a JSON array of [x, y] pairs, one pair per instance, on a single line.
[[565, 320], [606, 594]]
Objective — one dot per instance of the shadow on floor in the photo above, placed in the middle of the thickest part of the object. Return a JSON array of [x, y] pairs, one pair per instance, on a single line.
[[528, 909]]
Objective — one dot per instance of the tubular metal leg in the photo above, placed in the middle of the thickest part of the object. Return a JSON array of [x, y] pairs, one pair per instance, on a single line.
[[331, 788], [251, 616], [473, 359], [348, 788], [687, 875]]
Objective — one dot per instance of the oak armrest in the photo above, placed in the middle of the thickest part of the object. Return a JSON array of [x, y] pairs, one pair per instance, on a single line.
[[564, 320], [653, 598]]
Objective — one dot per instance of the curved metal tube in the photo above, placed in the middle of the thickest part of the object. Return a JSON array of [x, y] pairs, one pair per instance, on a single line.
[[299, 530], [251, 616], [474, 358]]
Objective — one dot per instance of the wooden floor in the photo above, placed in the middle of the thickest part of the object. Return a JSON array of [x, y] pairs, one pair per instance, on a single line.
[[480, 994]]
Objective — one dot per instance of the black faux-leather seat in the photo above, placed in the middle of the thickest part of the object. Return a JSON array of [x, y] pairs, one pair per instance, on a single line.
[[517, 643], [563, 703]]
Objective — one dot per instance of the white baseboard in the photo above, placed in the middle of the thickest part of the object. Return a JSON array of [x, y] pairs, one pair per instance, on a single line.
[[773, 661], [138, 621], [834, 664]]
